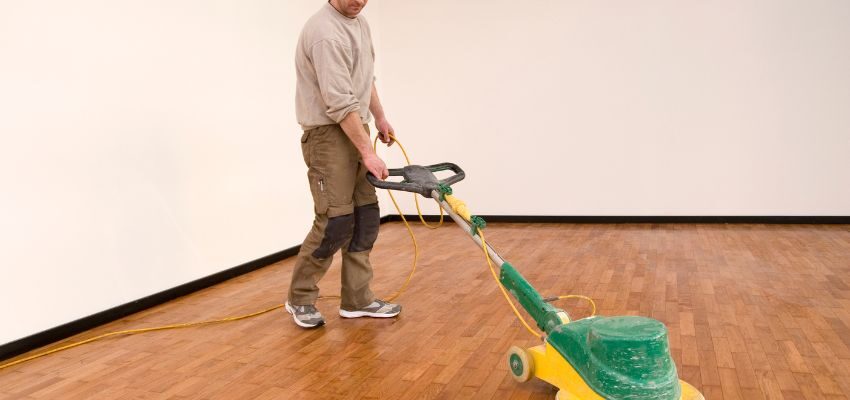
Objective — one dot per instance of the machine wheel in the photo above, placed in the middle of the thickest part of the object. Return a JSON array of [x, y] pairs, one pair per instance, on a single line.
[[520, 364]]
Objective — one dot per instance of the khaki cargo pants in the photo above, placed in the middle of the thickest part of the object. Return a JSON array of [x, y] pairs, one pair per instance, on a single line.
[[347, 219]]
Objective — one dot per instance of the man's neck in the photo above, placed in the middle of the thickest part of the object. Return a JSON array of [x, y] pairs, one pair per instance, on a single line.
[[336, 7]]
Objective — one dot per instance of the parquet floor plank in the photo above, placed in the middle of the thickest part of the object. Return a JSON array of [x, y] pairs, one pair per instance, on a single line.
[[754, 312]]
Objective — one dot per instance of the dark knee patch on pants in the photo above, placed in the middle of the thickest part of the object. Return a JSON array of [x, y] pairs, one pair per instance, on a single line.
[[367, 221], [337, 232]]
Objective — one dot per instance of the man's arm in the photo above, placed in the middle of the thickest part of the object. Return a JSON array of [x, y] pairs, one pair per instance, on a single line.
[[334, 80], [384, 127], [352, 125]]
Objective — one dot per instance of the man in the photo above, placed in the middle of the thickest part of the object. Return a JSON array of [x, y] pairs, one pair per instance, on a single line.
[[335, 92]]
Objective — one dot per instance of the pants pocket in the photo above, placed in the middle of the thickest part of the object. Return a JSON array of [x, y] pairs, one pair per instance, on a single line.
[[305, 147], [317, 189]]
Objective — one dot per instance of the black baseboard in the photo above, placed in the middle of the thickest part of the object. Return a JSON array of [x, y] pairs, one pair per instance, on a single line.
[[56, 334], [35, 341], [626, 219]]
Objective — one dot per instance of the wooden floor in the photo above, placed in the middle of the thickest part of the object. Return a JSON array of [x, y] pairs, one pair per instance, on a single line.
[[754, 312]]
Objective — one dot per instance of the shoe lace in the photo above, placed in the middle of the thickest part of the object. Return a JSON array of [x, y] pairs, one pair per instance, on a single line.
[[306, 309]]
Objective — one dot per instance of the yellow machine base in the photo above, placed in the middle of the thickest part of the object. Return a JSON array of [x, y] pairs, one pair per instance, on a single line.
[[548, 365]]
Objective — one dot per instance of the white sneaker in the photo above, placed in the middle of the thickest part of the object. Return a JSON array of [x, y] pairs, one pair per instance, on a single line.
[[305, 316], [378, 309]]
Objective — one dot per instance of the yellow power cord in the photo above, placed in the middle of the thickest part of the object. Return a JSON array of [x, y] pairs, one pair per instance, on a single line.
[[389, 298], [502, 287], [508, 298], [135, 331], [403, 287], [578, 296], [228, 319]]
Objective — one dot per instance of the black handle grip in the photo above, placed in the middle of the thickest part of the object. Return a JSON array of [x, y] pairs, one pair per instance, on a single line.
[[457, 177], [419, 179], [385, 184]]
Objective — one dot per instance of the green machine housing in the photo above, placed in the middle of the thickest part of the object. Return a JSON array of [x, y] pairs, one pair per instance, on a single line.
[[621, 358]]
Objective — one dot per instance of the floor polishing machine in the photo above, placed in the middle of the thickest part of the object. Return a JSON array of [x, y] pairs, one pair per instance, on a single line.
[[594, 358]]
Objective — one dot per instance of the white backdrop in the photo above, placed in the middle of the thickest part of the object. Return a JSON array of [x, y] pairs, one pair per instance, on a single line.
[[145, 144], [148, 144], [662, 107]]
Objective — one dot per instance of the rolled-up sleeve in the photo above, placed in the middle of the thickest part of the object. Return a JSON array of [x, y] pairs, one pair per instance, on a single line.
[[332, 61]]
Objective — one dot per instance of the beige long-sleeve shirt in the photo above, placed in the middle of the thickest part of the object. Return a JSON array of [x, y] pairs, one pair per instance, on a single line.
[[334, 63]]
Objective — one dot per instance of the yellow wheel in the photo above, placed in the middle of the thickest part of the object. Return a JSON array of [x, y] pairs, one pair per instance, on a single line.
[[520, 364]]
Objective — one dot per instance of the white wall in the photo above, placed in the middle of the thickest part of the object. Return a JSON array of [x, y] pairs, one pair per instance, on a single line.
[[145, 144], [657, 107], [148, 144]]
